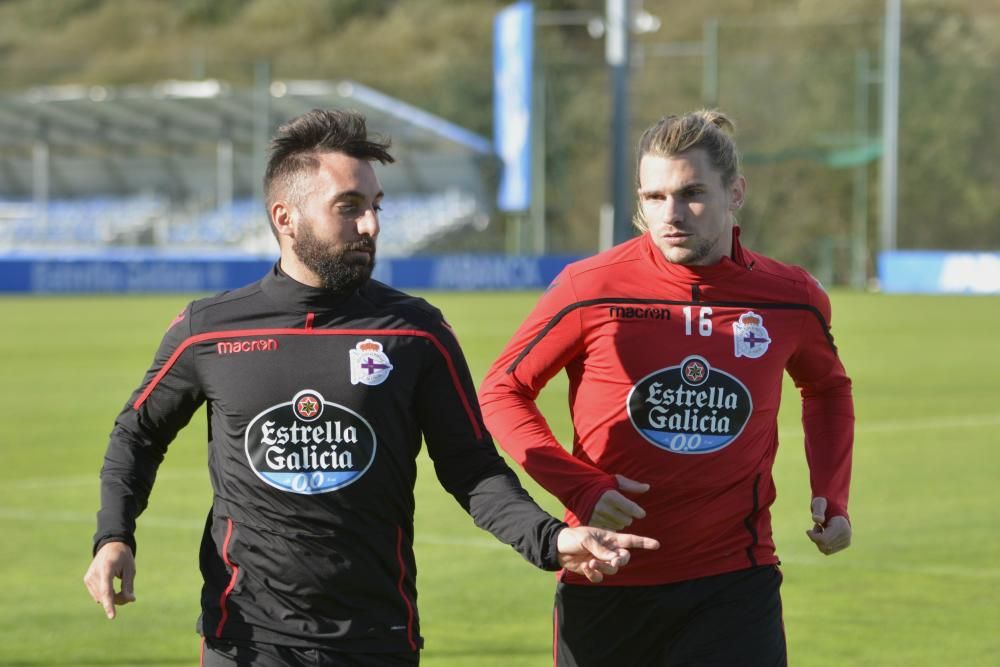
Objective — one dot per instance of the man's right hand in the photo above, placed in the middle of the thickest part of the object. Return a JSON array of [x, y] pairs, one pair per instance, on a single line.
[[113, 561], [614, 511]]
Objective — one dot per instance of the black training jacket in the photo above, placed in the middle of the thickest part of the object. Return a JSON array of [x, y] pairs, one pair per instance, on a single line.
[[317, 403]]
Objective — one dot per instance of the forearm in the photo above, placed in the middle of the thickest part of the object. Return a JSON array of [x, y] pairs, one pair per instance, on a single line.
[[126, 481], [828, 423], [521, 430], [500, 505]]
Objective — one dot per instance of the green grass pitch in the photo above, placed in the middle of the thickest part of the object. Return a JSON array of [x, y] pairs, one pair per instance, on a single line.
[[920, 586]]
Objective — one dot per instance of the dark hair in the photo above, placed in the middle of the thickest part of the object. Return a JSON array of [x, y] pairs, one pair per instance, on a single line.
[[297, 143]]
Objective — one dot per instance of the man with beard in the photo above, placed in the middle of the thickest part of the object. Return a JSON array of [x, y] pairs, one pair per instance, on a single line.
[[320, 384]]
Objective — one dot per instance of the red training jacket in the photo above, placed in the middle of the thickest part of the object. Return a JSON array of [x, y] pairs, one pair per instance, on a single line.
[[675, 380]]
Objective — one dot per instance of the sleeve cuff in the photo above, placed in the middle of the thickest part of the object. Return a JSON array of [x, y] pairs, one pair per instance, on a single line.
[[552, 556], [835, 509], [584, 508], [127, 539]]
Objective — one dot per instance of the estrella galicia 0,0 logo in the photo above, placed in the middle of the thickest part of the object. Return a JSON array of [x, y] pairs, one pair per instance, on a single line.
[[309, 445], [690, 408]]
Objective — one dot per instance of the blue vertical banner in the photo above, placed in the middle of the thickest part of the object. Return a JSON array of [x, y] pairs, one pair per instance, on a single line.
[[513, 54]]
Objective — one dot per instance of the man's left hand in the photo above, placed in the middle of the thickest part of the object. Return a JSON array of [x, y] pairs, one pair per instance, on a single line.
[[829, 536], [595, 552]]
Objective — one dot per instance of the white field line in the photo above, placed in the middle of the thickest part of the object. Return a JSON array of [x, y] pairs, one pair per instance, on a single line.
[[94, 480], [968, 421], [13, 514], [928, 423], [928, 569], [917, 424], [33, 516], [425, 539]]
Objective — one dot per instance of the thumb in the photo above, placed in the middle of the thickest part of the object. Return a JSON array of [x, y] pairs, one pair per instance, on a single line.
[[819, 510], [128, 583], [630, 485]]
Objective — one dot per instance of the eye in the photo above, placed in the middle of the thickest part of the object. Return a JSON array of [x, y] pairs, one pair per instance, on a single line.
[[354, 206], [377, 207]]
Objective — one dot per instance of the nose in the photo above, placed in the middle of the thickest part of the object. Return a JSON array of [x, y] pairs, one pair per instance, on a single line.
[[368, 223], [673, 210]]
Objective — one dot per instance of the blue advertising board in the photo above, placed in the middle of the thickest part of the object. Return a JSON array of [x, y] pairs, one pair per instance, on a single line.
[[127, 272], [939, 272], [139, 272], [913, 271]]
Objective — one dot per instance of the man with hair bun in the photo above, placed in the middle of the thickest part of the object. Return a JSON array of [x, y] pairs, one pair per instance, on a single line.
[[321, 385], [675, 344]]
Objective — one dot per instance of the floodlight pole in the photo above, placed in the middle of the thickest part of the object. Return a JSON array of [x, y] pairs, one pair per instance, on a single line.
[[890, 124], [859, 204], [40, 170], [710, 63], [224, 188], [537, 211], [261, 124], [616, 51]]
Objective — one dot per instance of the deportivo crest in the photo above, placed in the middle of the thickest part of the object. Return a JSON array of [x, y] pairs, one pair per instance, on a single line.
[[749, 335], [690, 408], [309, 445], [369, 365]]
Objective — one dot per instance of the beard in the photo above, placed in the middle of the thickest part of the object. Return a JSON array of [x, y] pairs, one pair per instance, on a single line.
[[690, 256], [337, 268]]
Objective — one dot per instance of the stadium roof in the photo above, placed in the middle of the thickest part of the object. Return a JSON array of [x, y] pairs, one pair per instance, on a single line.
[[187, 138]]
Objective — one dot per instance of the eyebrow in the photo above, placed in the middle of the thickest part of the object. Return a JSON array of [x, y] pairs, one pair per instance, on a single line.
[[652, 191], [357, 194]]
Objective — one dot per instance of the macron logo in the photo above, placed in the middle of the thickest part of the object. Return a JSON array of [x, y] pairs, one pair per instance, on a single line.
[[239, 346]]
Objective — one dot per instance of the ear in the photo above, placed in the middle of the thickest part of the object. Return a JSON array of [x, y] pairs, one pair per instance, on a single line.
[[737, 192], [283, 218]]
